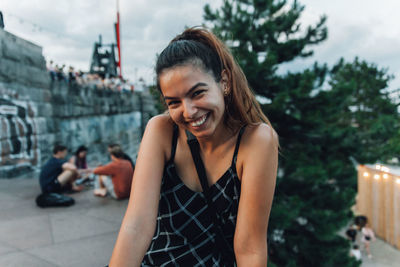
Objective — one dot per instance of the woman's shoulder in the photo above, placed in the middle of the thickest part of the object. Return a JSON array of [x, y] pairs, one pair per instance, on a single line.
[[159, 130], [260, 135], [258, 142], [161, 121]]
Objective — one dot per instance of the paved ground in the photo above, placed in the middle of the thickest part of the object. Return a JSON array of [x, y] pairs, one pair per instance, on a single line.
[[83, 234], [80, 235], [383, 255]]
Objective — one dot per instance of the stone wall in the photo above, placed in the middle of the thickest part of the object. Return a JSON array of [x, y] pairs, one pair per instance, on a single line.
[[36, 113]]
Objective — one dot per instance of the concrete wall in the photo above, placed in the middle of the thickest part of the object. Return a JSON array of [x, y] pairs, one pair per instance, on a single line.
[[35, 112]]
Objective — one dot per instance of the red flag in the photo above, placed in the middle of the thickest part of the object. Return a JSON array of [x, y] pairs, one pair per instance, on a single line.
[[118, 35]]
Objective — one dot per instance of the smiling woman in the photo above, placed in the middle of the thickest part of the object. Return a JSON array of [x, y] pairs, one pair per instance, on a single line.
[[205, 173]]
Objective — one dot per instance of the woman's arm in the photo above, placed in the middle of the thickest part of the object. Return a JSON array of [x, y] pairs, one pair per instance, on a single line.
[[259, 151], [139, 223], [72, 160], [108, 169], [69, 166]]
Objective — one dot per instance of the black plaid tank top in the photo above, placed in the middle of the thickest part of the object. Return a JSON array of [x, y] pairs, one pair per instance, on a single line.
[[184, 235]]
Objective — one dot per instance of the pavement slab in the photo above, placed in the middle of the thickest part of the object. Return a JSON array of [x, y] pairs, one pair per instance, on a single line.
[[383, 255], [26, 233], [19, 259], [91, 251], [6, 248], [76, 225]]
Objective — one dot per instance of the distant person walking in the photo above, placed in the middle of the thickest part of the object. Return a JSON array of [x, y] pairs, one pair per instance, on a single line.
[[115, 178], [367, 236], [57, 174]]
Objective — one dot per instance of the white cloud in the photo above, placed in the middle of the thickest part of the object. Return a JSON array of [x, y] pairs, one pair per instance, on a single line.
[[364, 28], [68, 29]]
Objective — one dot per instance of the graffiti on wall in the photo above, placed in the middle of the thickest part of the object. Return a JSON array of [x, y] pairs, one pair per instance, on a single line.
[[17, 139]]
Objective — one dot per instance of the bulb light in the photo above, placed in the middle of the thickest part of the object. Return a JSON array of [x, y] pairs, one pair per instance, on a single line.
[[385, 176], [376, 176], [366, 174], [378, 166], [398, 180], [385, 169]]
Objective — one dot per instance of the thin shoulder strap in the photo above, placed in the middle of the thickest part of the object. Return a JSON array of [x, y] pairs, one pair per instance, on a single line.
[[234, 158], [174, 142], [221, 242]]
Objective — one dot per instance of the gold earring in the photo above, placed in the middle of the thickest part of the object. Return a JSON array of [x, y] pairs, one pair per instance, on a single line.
[[226, 91]]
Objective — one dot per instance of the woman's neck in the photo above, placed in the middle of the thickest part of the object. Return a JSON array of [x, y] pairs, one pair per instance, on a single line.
[[209, 144]]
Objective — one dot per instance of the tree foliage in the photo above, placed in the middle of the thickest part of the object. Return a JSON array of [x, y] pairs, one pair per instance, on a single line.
[[264, 33], [327, 118]]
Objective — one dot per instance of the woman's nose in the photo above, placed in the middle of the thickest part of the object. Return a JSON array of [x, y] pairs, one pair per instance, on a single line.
[[189, 109]]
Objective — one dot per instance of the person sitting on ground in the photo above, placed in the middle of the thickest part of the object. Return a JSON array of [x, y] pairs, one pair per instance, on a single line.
[[124, 155], [79, 159], [115, 178], [58, 175]]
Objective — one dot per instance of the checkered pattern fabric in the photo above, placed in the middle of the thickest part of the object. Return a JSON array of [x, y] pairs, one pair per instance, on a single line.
[[184, 233]]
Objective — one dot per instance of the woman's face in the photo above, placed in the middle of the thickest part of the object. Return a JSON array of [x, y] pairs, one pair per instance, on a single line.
[[195, 100], [82, 154]]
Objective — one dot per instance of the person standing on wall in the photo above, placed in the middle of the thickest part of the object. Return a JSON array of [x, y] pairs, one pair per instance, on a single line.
[[1, 20]]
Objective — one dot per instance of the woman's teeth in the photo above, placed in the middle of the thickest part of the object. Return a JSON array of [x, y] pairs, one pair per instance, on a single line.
[[199, 121]]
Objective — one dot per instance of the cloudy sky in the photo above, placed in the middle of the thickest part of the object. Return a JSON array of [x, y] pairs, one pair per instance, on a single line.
[[67, 29]]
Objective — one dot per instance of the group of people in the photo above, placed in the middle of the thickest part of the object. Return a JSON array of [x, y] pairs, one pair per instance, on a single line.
[[360, 235], [59, 73], [61, 175]]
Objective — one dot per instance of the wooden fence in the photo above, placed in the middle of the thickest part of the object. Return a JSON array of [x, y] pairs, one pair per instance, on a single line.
[[379, 199]]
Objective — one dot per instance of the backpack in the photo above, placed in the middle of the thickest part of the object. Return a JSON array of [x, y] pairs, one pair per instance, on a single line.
[[54, 200]]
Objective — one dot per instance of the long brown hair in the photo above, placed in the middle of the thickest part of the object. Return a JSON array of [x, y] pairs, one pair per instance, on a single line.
[[198, 44]]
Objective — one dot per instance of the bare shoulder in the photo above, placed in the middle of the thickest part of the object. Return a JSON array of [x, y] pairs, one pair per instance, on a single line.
[[260, 136], [159, 131], [259, 146], [160, 122]]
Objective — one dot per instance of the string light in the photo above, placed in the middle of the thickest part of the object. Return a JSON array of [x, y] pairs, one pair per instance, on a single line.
[[383, 172]]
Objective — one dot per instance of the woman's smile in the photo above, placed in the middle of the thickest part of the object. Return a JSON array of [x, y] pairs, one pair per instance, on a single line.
[[199, 121]]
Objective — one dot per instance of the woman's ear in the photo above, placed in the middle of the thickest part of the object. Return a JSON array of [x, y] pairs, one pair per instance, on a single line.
[[226, 87]]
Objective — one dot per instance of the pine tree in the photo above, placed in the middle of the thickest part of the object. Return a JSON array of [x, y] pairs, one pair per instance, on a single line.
[[325, 118], [367, 108], [262, 35]]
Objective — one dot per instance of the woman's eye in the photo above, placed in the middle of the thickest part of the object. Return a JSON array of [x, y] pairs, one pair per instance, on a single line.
[[171, 103], [198, 92]]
